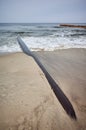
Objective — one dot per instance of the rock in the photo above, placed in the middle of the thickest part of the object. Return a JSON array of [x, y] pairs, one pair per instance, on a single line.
[[71, 25]]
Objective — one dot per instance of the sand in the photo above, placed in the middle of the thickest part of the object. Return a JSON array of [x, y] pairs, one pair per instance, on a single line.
[[27, 101]]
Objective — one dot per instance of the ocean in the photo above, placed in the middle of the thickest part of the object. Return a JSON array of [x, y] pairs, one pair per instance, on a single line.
[[40, 37]]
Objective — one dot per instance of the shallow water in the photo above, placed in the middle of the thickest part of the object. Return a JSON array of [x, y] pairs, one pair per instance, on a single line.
[[41, 36]]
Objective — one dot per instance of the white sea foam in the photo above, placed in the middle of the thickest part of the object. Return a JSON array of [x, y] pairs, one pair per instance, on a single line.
[[38, 37], [49, 43], [53, 43], [13, 48]]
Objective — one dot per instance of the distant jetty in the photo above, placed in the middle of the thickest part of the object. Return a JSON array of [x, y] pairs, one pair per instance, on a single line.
[[71, 25]]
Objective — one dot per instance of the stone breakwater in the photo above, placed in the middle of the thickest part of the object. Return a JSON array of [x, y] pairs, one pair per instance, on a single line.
[[71, 25]]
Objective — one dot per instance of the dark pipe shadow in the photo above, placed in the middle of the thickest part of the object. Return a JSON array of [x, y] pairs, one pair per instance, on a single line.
[[66, 104]]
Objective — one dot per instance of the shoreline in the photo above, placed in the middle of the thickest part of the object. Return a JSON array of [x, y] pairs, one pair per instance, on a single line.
[[27, 100], [42, 50]]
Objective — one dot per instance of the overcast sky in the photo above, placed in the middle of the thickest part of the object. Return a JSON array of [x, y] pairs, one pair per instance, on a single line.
[[48, 11]]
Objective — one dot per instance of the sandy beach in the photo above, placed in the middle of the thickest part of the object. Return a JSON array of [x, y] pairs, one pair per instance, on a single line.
[[27, 101]]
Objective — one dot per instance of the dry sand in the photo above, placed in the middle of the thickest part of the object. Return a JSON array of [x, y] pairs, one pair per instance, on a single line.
[[26, 100]]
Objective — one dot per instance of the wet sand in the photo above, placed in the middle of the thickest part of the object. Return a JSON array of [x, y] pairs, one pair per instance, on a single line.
[[68, 68], [27, 101]]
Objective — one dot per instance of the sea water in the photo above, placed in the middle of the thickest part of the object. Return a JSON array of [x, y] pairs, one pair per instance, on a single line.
[[40, 37]]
